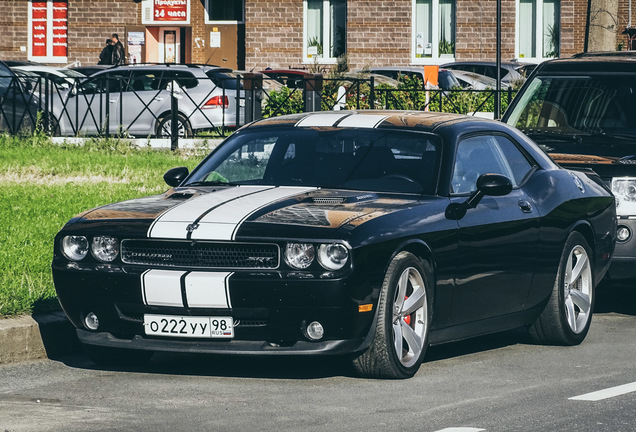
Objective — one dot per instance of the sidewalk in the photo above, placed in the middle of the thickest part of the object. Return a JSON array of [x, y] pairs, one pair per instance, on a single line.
[[35, 337]]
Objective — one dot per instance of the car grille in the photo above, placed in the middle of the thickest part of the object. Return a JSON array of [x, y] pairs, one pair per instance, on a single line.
[[170, 253]]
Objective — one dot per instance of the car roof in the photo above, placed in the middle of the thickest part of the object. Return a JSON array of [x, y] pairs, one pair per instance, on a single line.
[[589, 64], [399, 68], [421, 120], [513, 63], [61, 72], [163, 66], [605, 54]]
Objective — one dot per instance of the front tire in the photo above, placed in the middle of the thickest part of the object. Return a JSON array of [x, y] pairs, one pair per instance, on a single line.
[[567, 315], [404, 317]]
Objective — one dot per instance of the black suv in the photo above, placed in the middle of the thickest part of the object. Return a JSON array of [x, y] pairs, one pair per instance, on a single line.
[[579, 110]]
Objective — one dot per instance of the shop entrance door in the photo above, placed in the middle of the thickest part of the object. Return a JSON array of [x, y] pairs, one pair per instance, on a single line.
[[169, 45]]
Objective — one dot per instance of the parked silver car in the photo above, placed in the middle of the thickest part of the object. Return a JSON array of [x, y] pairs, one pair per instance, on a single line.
[[136, 100], [511, 71]]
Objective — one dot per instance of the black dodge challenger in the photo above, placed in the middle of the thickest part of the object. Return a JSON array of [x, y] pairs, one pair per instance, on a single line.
[[368, 234]]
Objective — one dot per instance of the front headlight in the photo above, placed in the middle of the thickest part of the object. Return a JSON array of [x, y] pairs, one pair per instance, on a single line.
[[333, 256], [105, 248], [624, 189], [299, 255], [75, 247]]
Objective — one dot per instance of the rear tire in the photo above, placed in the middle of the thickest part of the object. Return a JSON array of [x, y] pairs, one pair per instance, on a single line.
[[164, 127], [567, 315], [404, 317]]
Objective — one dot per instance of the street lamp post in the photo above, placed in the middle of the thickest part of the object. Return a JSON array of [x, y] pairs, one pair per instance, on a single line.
[[498, 90]]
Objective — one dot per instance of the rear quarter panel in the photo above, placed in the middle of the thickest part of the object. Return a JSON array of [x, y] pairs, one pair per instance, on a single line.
[[564, 207]]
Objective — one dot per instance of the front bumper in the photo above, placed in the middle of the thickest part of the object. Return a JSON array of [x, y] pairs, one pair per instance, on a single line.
[[230, 347], [623, 264], [271, 311]]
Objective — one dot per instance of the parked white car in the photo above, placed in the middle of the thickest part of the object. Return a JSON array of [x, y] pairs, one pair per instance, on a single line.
[[136, 100]]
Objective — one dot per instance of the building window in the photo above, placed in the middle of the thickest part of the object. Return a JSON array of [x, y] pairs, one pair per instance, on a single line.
[[48, 31], [538, 29], [223, 11], [433, 30], [325, 30]]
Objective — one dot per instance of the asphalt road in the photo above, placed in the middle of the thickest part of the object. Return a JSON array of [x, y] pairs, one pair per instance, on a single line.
[[494, 383]]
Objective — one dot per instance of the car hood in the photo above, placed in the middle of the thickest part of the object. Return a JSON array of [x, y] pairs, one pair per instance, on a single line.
[[225, 213]]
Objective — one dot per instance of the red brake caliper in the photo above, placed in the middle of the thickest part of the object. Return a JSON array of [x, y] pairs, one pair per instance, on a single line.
[[407, 319]]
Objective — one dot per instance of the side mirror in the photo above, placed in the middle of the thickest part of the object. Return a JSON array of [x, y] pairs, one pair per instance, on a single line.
[[487, 184], [174, 176], [491, 185]]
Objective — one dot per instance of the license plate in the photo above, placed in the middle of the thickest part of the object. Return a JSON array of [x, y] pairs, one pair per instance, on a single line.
[[189, 326]]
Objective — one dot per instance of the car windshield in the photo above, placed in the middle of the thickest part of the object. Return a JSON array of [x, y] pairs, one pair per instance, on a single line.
[[577, 106], [362, 159]]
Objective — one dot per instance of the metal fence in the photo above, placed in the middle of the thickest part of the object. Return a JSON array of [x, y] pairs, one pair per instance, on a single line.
[[174, 106]]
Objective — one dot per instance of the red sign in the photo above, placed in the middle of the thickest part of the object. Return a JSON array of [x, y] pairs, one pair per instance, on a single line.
[[170, 10], [38, 28], [49, 31], [60, 13]]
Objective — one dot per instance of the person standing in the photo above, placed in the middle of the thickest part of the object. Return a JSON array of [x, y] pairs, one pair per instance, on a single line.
[[117, 58], [106, 56]]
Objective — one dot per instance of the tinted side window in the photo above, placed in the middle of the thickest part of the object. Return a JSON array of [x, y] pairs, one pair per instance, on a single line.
[[227, 80], [184, 78], [114, 81], [487, 154], [143, 80]]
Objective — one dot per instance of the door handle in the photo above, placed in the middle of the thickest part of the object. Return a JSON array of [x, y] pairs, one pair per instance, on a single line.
[[112, 101], [525, 206], [159, 99]]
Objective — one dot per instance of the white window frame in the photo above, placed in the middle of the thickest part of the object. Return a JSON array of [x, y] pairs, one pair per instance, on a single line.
[[538, 33], [49, 58], [209, 21], [435, 56], [326, 36]]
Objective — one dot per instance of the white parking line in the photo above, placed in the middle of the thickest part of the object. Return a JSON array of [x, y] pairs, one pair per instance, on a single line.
[[461, 429], [607, 393]]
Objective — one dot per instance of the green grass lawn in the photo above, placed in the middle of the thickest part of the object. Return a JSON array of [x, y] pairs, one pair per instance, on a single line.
[[43, 185]]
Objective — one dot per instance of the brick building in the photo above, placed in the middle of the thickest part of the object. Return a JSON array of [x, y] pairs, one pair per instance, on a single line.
[[254, 34]]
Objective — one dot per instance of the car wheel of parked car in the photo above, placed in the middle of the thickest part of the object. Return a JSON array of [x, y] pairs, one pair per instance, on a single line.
[[567, 315], [116, 356], [404, 315], [164, 127]]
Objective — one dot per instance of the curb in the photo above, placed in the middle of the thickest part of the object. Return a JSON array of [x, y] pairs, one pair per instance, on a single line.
[[36, 337]]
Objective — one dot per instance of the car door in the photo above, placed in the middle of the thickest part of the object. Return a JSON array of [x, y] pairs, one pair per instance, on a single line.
[[145, 99], [90, 106], [497, 240]]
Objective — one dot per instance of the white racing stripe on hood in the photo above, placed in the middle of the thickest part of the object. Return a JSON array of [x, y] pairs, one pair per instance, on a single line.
[[173, 223], [220, 213], [223, 222]]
